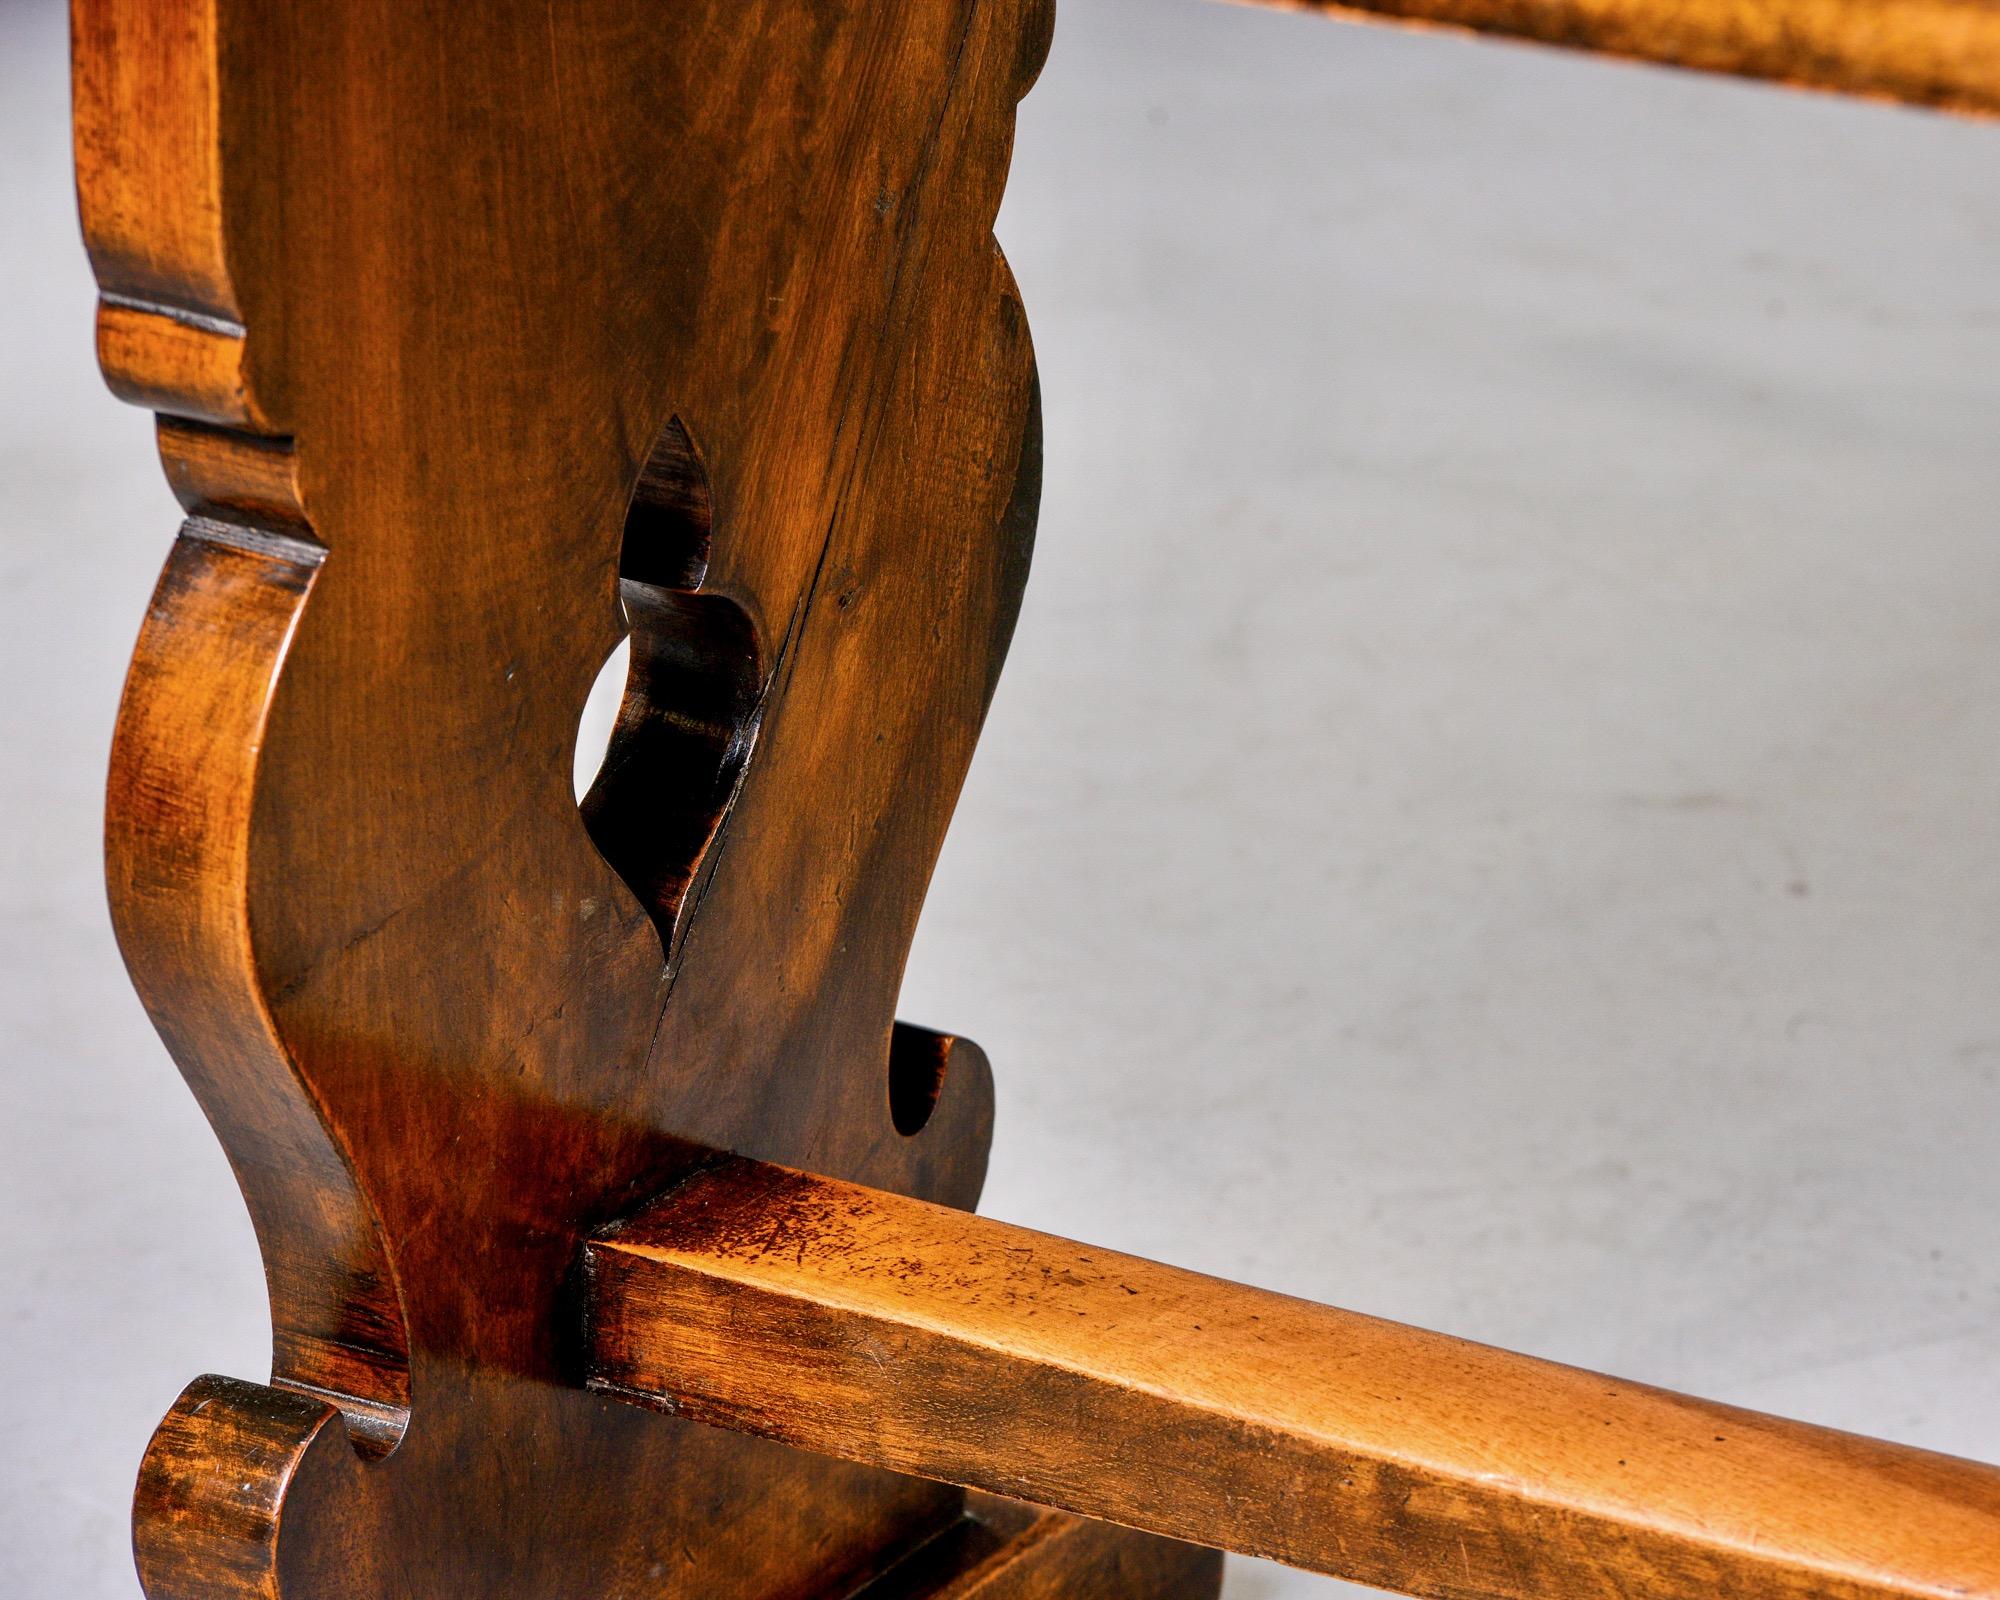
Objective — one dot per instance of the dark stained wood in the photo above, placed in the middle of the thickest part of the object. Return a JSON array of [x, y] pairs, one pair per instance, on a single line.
[[885, 1330], [1004, 1550], [481, 335], [1942, 53], [476, 331]]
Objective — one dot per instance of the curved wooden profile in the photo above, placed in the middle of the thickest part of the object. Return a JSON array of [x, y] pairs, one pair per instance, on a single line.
[[459, 319], [151, 177], [482, 334]]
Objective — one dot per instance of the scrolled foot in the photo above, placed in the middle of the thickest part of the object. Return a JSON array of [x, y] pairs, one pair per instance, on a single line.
[[230, 1469]]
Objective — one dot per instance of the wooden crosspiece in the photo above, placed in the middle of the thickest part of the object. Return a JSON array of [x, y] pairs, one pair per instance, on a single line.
[[905, 1335], [483, 336]]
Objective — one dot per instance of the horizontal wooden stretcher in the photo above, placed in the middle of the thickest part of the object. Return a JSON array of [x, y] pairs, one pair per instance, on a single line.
[[484, 336]]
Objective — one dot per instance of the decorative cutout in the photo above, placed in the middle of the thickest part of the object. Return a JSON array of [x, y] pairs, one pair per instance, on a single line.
[[918, 1061], [600, 716], [693, 693], [429, 1022]]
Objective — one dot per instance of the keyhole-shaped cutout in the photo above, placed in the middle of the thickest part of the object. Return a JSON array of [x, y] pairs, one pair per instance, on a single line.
[[680, 698]]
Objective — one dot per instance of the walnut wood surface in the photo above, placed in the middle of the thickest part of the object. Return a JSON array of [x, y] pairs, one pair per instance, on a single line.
[[1943, 53], [467, 324], [888, 1331], [480, 334]]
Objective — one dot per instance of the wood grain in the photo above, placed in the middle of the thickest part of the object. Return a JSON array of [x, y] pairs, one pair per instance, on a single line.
[[1940, 53], [483, 335], [146, 92], [885, 1330]]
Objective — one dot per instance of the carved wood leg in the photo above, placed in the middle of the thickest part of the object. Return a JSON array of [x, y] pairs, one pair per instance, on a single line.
[[481, 335]]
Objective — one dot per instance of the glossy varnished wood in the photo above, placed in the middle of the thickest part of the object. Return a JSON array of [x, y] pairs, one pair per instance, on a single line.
[[1943, 53], [477, 331], [888, 1331], [481, 335]]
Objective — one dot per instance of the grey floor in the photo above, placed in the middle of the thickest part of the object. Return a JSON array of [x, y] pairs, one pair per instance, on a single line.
[[1490, 818]]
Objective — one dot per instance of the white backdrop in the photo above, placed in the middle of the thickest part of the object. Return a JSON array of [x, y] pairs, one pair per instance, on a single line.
[[1489, 817]]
